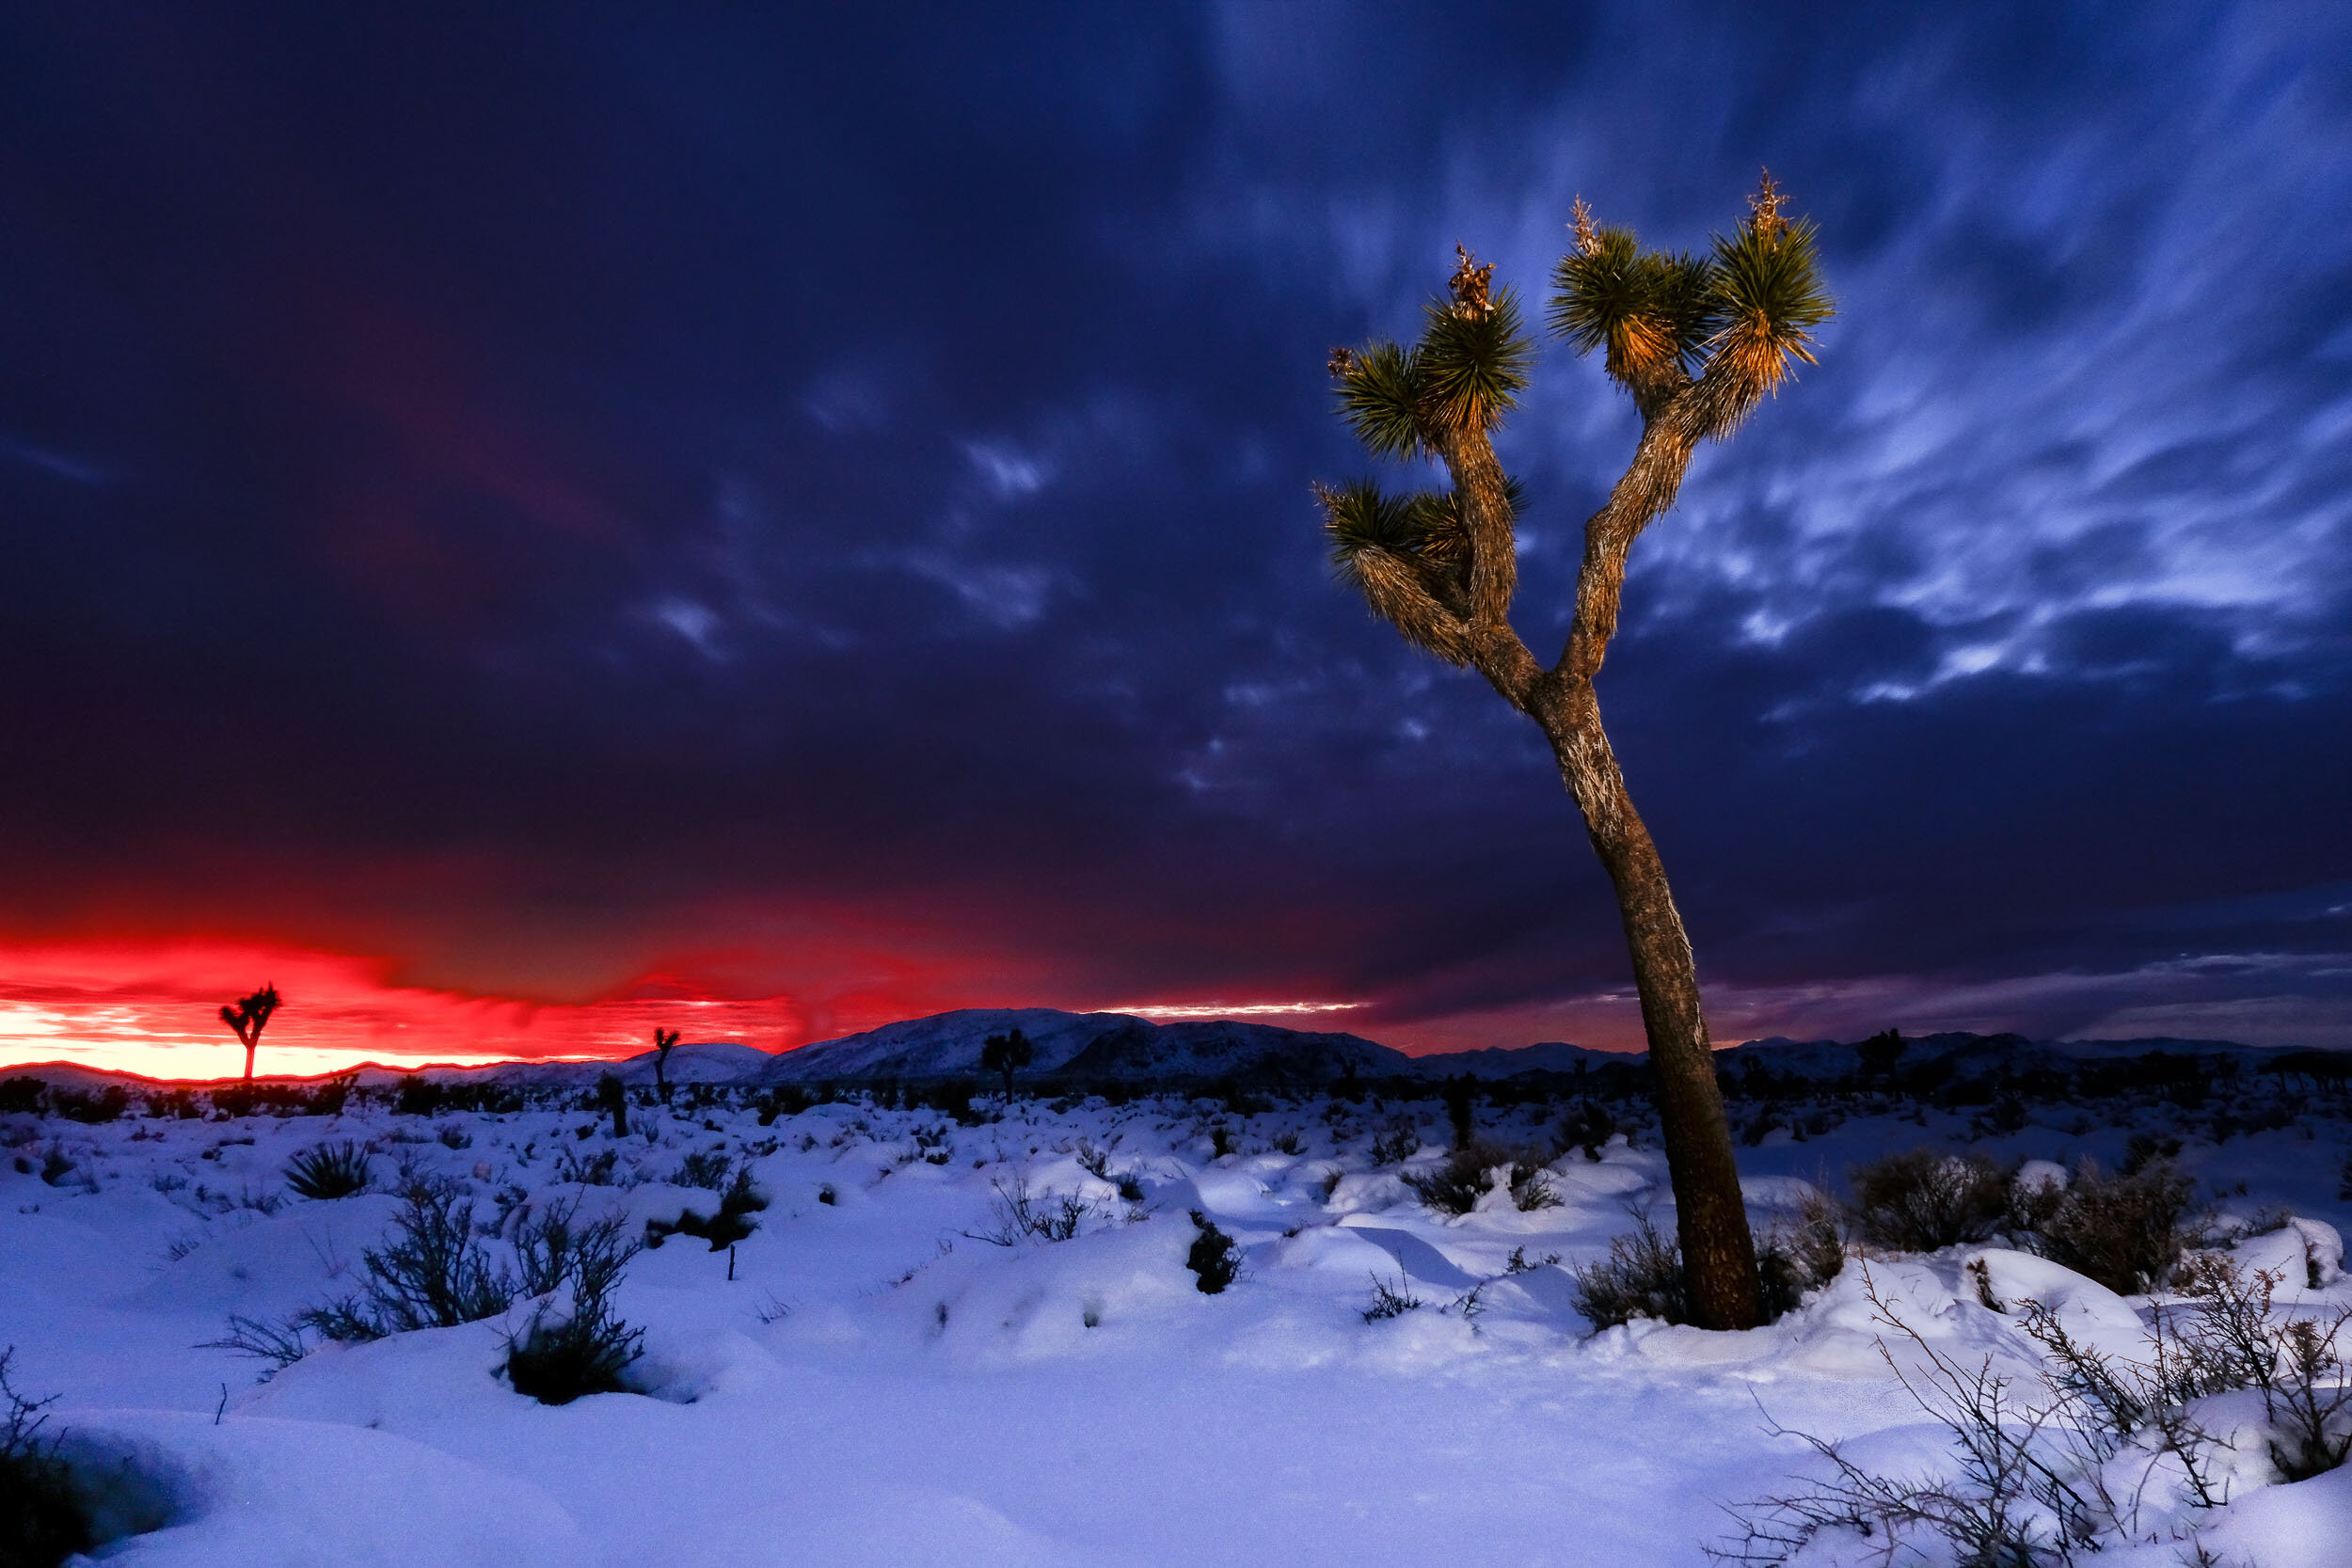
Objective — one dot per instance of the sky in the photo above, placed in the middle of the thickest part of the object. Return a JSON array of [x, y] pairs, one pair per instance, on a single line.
[[523, 525]]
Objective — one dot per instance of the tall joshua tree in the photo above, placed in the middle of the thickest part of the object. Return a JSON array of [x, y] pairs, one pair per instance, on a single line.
[[1697, 343], [248, 1017]]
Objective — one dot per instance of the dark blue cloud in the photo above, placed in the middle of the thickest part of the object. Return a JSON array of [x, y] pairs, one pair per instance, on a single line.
[[579, 481]]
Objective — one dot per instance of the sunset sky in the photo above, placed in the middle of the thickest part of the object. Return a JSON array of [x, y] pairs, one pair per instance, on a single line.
[[526, 524]]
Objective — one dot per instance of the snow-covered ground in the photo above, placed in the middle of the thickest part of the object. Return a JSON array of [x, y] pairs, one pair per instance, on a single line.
[[876, 1385]]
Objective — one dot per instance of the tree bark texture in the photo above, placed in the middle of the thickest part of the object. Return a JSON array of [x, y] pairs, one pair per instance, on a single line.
[[1712, 1219]]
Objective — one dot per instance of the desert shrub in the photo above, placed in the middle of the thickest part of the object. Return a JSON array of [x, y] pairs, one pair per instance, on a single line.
[[730, 1224], [1455, 1185], [105, 1106], [20, 1095], [41, 1519], [2294, 1363], [2127, 1233], [1642, 1277], [596, 1172], [326, 1171], [786, 1099], [1395, 1143], [433, 1274], [329, 1098], [1020, 1214], [560, 1356], [1215, 1260], [1390, 1301], [1587, 1126], [709, 1167], [1530, 1185], [1288, 1141], [2031, 1483], [1923, 1200], [1801, 1256]]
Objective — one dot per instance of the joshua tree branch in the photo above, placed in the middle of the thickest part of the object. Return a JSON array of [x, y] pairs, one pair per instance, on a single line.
[[1648, 487]]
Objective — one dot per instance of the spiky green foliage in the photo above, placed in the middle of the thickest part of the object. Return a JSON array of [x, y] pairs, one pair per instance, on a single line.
[[1472, 364], [1646, 308], [1380, 394], [1767, 296]]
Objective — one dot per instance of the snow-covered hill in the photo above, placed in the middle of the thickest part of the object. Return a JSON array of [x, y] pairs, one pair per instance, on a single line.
[[1087, 1045]]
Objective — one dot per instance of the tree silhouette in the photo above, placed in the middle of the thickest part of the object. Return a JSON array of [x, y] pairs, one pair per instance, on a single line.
[[248, 1018], [1006, 1054], [1697, 342], [664, 1040], [615, 1101]]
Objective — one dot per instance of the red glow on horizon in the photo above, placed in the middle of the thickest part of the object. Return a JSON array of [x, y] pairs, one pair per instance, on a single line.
[[155, 1009]]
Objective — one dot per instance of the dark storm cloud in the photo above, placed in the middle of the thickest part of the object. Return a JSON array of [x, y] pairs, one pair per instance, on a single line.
[[532, 495]]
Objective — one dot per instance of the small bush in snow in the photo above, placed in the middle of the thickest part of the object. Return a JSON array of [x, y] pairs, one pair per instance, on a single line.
[[597, 1172], [1587, 1126], [41, 1520], [20, 1095], [1465, 1176], [2038, 1484], [2127, 1233], [1390, 1301], [1021, 1215], [731, 1224], [433, 1275], [709, 1167], [1801, 1256], [1396, 1143], [326, 1171], [1641, 1277], [1923, 1200], [561, 1356], [1455, 1185], [1215, 1260]]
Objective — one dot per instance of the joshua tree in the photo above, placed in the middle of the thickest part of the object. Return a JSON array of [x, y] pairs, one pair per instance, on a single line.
[[615, 1100], [1697, 343], [248, 1017], [1006, 1054], [663, 1041]]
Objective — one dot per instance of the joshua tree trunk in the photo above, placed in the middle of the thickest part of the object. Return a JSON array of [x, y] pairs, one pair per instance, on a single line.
[[249, 1048], [1711, 1220], [1712, 1223]]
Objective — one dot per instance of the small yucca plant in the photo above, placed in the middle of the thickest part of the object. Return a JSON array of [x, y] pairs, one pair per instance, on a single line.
[[328, 1170]]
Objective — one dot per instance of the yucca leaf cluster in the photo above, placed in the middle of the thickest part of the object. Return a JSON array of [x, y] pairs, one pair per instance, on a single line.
[[1696, 339]]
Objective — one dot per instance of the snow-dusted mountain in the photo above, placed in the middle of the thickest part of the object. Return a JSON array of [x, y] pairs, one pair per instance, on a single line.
[[1086, 1045]]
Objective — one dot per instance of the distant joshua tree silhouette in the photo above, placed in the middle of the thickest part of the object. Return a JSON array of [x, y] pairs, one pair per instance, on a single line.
[[248, 1017], [664, 1040], [1008, 1055]]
